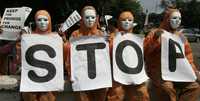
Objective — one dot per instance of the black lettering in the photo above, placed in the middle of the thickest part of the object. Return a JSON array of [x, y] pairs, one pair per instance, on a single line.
[[90, 48], [11, 26], [119, 59], [69, 22], [72, 19], [78, 17], [12, 18], [8, 14], [40, 63], [75, 18], [173, 55], [6, 22], [12, 10]]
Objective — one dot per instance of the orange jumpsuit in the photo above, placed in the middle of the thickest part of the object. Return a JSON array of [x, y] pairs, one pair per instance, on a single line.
[[92, 95], [167, 90], [38, 96], [133, 92]]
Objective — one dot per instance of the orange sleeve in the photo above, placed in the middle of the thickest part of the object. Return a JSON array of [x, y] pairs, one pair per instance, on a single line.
[[189, 56], [66, 54], [111, 38], [151, 43], [18, 52]]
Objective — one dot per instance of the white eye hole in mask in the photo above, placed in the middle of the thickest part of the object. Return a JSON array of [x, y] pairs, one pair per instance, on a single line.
[[175, 20], [42, 22], [89, 18], [127, 24]]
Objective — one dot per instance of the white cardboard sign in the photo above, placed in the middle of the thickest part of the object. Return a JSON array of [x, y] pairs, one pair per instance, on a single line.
[[42, 63], [71, 20], [128, 62], [90, 64], [174, 64], [13, 21]]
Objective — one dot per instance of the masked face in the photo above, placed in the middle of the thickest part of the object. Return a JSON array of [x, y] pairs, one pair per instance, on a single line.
[[42, 22], [175, 20], [126, 21], [89, 18], [127, 24]]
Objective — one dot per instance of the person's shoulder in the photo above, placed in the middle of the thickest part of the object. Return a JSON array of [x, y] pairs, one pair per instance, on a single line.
[[75, 33], [52, 33], [156, 30], [181, 35], [99, 32]]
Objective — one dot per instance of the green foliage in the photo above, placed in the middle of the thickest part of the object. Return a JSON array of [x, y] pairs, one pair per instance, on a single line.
[[117, 5], [189, 10], [190, 13]]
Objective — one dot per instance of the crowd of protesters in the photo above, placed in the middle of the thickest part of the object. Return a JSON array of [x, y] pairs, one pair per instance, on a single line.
[[10, 58]]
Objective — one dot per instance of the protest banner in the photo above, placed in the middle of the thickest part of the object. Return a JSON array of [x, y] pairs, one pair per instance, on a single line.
[[90, 63], [174, 64], [42, 63], [13, 21], [128, 61], [71, 20]]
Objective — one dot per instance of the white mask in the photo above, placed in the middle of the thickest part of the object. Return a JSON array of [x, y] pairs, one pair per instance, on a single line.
[[42, 22], [127, 24], [175, 20], [89, 18]]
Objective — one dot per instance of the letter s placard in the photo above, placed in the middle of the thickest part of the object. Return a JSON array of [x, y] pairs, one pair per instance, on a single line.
[[42, 63]]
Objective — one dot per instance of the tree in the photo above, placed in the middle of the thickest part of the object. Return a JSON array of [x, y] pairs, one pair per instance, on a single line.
[[117, 5], [190, 13], [166, 3]]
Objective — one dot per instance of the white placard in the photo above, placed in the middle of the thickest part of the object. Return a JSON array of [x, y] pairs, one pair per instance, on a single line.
[[42, 63], [174, 64], [90, 64], [71, 20], [27, 11], [128, 62], [13, 21]]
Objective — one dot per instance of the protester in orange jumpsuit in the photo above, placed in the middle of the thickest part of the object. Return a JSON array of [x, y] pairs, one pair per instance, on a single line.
[[43, 27], [118, 91], [88, 27], [167, 90]]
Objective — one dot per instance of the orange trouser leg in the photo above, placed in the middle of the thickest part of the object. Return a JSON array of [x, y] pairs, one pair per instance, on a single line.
[[157, 93], [80, 96], [93, 95], [168, 88], [137, 92], [47, 96], [115, 94], [29, 97], [190, 92]]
